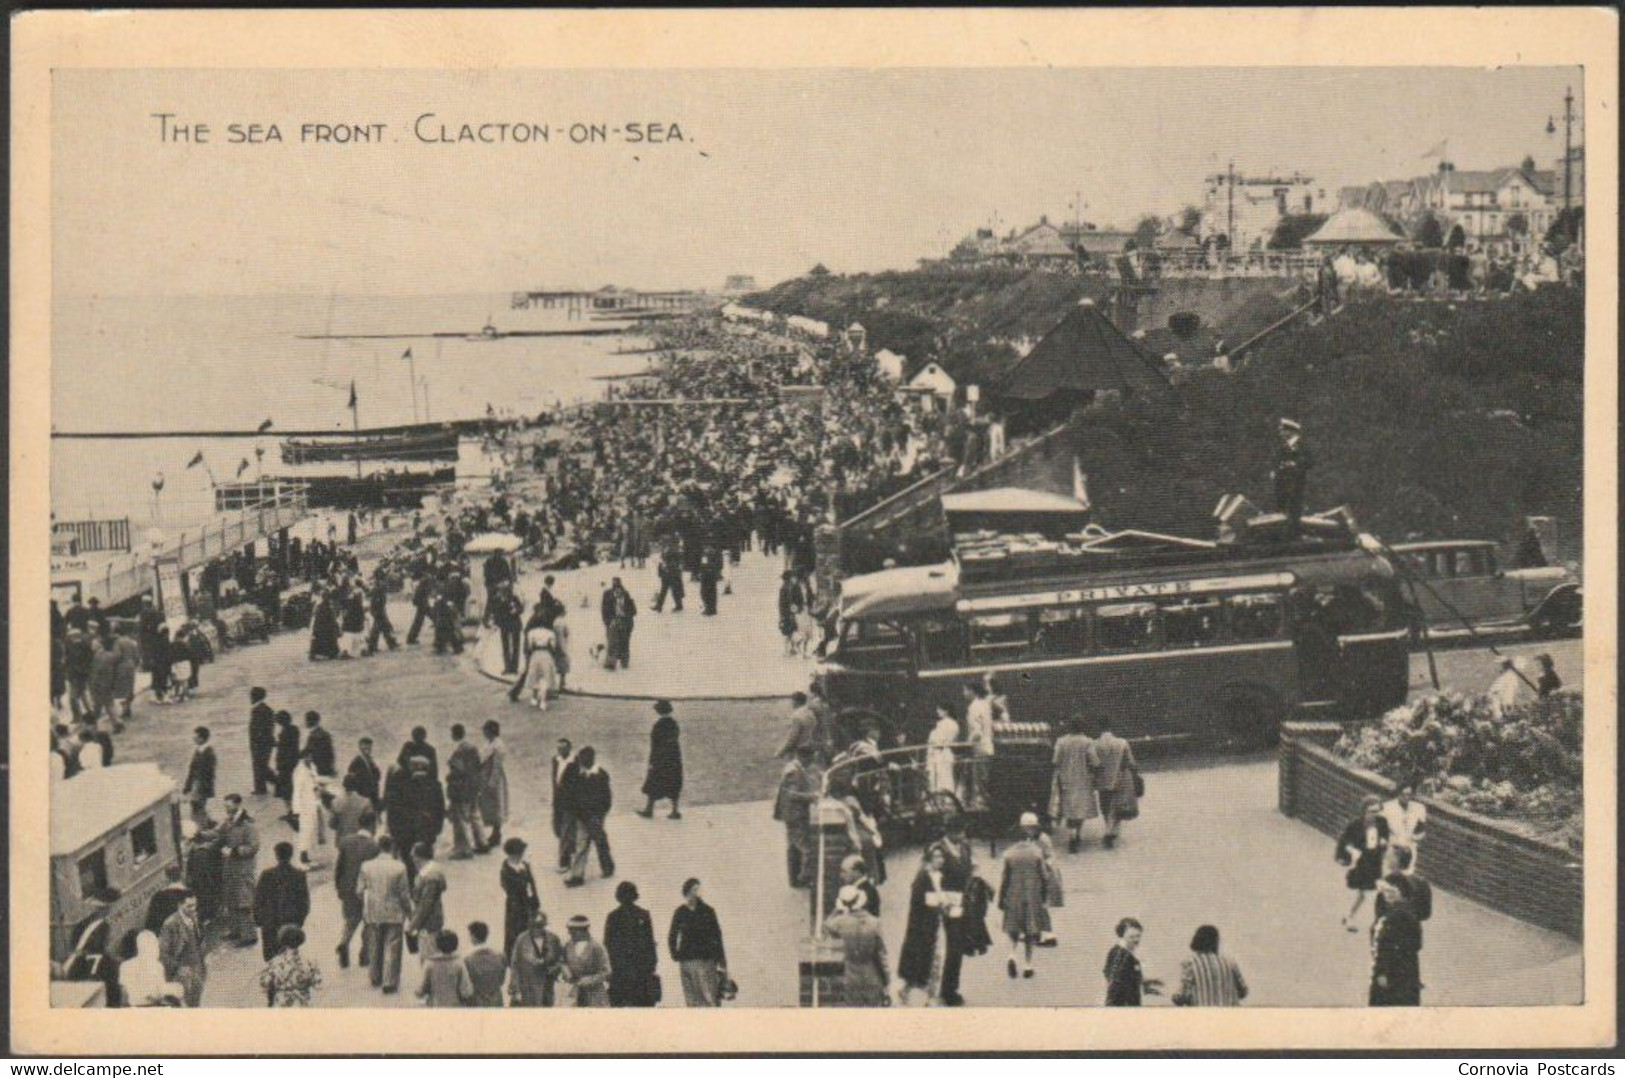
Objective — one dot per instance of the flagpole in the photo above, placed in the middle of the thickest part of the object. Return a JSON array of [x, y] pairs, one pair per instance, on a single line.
[[412, 371], [355, 426]]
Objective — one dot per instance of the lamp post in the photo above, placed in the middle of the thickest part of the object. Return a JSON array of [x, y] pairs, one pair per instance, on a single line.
[[157, 498], [1568, 152]]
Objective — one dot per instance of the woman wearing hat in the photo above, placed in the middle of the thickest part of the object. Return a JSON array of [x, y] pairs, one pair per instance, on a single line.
[[290, 977], [664, 780], [1361, 846], [534, 963], [586, 967], [919, 965], [863, 950], [1024, 891]]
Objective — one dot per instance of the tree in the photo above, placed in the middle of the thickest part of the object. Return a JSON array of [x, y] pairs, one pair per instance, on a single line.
[[1458, 238], [1429, 232], [1517, 225], [1190, 219], [1565, 228], [1147, 231], [1291, 230], [819, 270]]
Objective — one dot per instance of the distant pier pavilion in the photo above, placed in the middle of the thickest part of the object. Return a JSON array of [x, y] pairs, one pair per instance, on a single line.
[[612, 300]]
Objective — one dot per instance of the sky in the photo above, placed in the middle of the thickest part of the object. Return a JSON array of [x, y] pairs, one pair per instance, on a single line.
[[776, 170]]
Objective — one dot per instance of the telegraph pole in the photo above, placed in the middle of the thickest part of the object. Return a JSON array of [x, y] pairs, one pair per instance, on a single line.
[[1230, 208], [1568, 145]]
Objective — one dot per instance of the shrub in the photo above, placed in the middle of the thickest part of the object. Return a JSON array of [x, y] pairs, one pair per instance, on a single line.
[[1524, 766]]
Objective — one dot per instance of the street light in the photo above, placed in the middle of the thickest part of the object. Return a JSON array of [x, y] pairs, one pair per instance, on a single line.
[[157, 494]]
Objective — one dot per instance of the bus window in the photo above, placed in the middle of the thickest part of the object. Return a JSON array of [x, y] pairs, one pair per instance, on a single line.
[[1129, 627], [93, 875], [873, 645], [144, 840], [942, 641], [1255, 616], [1063, 631], [999, 637], [1191, 623], [1470, 562]]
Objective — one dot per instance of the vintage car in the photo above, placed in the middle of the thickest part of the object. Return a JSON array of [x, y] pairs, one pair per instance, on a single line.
[[1459, 579]]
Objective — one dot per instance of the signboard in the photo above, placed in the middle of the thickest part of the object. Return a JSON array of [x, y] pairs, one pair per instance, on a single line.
[[1118, 592], [69, 566], [167, 591]]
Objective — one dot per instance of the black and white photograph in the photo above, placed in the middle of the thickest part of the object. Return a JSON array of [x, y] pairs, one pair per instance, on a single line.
[[776, 536]]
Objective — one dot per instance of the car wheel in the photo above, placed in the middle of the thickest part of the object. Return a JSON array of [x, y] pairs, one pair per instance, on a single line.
[[1247, 719]]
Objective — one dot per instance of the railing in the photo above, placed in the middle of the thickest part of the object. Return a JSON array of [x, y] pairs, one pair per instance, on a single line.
[[97, 535], [126, 578]]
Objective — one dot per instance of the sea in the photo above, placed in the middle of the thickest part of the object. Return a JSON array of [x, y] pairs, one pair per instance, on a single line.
[[123, 365]]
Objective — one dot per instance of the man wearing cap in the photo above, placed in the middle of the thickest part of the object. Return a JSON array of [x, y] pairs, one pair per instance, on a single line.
[[1292, 463]]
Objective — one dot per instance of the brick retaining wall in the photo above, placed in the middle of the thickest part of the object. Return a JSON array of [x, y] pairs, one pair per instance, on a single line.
[[1466, 854]]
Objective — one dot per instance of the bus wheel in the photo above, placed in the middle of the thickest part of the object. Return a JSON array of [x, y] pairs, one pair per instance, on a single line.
[[936, 809], [1248, 719]]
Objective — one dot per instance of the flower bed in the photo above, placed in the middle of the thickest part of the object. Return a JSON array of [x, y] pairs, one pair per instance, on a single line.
[[1523, 767]]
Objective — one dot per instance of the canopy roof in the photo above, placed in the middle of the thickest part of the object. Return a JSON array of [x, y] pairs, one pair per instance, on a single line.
[[1356, 225], [1082, 354], [914, 589], [94, 802]]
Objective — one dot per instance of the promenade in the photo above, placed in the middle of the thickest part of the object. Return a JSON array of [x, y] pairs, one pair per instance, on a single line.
[[1210, 846]]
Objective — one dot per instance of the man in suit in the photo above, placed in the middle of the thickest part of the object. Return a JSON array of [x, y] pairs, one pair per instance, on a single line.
[[423, 600], [239, 846], [385, 903], [354, 851], [369, 778], [378, 606], [181, 952], [563, 818], [199, 785], [349, 808], [419, 746], [287, 758], [486, 969], [319, 743], [548, 605], [463, 780], [619, 613], [508, 611], [428, 900], [586, 790], [261, 738], [282, 898], [1116, 762], [798, 791], [417, 809]]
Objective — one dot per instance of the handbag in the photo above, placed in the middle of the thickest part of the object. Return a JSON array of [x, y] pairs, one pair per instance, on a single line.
[[1139, 783], [655, 988]]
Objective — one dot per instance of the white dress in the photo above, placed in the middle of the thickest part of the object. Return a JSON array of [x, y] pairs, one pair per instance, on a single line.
[[939, 755], [307, 805]]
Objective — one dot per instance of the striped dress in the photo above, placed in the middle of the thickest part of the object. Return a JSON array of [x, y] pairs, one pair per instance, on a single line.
[[1210, 980]]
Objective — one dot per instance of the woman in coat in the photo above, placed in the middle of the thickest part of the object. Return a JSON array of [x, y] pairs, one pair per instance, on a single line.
[[1075, 765], [863, 950], [523, 900], [1116, 780], [104, 664], [161, 663], [493, 799], [324, 629], [1361, 848], [1396, 945], [534, 963], [129, 660], [919, 965], [664, 780], [586, 968], [1024, 896], [1125, 980], [629, 939]]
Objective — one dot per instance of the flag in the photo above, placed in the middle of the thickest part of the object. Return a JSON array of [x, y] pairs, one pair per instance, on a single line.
[[1438, 150], [195, 461], [243, 467], [1080, 483], [407, 354], [263, 427], [352, 394]]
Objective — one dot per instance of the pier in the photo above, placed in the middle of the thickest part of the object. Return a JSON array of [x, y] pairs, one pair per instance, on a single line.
[[610, 299]]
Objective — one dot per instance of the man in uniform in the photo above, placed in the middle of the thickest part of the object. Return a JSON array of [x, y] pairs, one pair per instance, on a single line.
[[508, 612], [1292, 464]]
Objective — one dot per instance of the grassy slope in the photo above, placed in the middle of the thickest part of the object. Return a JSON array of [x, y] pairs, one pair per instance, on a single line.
[[1397, 400]]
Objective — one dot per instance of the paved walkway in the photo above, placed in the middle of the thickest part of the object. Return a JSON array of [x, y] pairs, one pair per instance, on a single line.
[[1210, 849], [736, 654]]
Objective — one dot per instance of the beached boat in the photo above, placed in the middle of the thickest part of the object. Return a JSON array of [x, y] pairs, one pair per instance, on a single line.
[[406, 445]]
